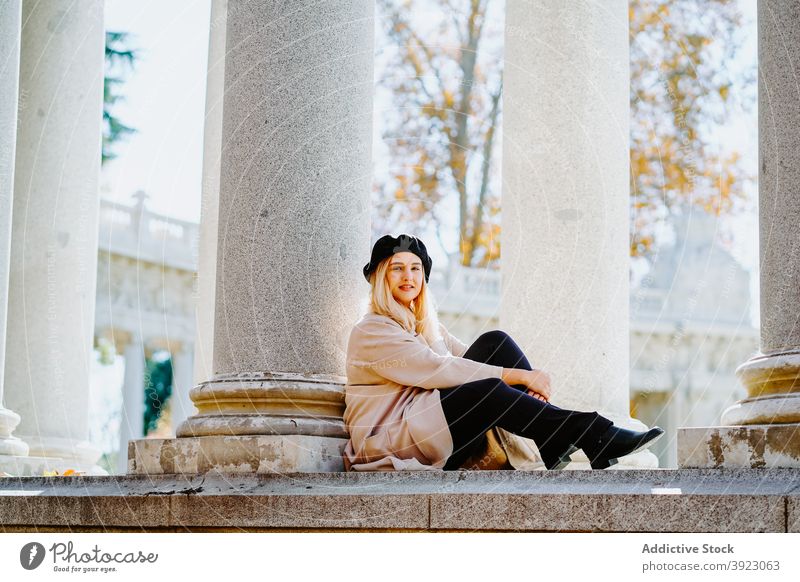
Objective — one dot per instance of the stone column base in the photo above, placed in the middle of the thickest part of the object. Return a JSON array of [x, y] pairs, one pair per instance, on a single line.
[[236, 454], [772, 387], [746, 446], [9, 444], [277, 403], [63, 453]]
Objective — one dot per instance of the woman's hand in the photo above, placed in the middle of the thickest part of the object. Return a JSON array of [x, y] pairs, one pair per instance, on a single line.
[[538, 384], [537, 395]]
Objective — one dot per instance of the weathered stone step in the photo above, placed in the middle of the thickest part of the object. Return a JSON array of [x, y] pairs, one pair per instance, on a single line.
[[660, 500]]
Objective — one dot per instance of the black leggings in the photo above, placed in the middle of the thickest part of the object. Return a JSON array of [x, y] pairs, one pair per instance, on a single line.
[[473, 408]]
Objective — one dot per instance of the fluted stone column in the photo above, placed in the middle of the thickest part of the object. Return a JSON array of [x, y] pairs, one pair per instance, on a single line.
[[566, 178], [293, 234], [132, 425], [763, 430], [10, 27], [54, 232]]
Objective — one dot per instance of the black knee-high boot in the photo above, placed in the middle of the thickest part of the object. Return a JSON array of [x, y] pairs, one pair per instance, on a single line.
[[473, 408], [598, 437], [575, 430]]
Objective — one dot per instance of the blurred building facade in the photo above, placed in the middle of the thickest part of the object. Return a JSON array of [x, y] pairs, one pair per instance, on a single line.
[[146, 271]]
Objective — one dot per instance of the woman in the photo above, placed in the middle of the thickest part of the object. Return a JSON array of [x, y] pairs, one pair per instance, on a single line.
[[418, 398]]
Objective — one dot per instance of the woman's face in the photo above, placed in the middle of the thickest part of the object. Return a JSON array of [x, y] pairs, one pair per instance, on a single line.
[[404, 277]]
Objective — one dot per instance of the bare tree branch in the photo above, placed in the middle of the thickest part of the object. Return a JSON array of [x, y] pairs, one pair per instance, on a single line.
[[405, 36], [488, 145]]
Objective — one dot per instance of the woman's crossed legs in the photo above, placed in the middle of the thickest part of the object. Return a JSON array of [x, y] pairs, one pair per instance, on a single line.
[[473, 408]]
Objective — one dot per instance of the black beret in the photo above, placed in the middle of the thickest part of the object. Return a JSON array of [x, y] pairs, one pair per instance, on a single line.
[[388, 245]]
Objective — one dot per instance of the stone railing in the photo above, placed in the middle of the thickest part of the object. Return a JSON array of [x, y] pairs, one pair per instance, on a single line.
[[467, 289], [136, 232]]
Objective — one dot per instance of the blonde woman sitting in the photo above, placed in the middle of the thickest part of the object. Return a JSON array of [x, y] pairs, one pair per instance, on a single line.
[[418, 398]]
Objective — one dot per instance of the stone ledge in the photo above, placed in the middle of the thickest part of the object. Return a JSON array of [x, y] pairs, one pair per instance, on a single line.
[[747, 446], [683, 500], [244, 454]]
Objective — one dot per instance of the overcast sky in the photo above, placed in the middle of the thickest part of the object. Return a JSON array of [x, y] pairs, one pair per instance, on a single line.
[[165, 102]]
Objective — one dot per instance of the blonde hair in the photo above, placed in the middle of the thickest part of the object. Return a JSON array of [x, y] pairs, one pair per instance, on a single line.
[[420, 318]]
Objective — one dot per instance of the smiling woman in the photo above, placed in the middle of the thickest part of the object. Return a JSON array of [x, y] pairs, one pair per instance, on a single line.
[[405, 277], [418, 398]]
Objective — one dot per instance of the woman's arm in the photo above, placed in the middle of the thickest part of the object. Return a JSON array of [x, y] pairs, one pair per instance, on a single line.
[[514, 376], [538, 383], [455, 345], [391, 352]]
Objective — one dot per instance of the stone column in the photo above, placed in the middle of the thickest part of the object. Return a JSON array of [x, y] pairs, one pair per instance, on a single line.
[[293, 234], [10, 26], [206, 281], [54, 232], [763, 430], [132, 425], [181, 406], [565, 264]]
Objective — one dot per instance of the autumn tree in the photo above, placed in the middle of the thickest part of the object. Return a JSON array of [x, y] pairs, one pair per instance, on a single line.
[[443, 77], [445, 81], [682, 80]]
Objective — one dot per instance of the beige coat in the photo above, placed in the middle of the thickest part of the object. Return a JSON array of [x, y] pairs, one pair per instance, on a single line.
[[393, 412]]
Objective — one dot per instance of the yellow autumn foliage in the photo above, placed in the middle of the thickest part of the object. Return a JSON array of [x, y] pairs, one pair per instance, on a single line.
[[447, 107]]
